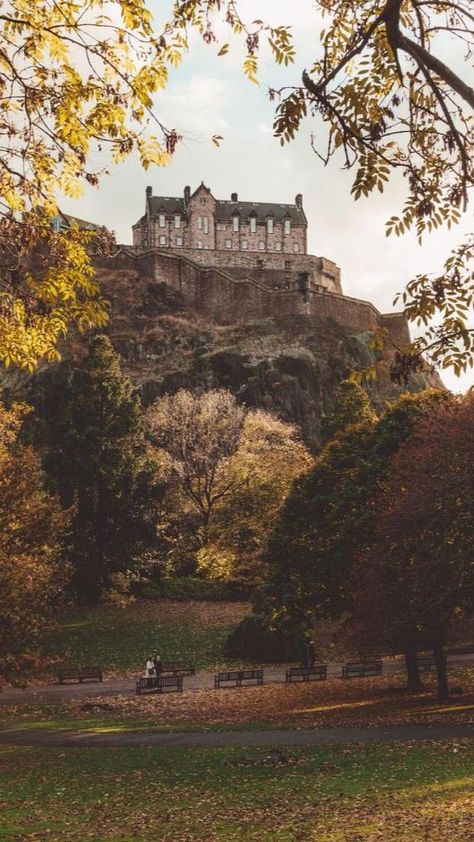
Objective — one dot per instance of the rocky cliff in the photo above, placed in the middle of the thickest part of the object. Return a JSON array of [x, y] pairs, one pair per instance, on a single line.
[[290, 365]]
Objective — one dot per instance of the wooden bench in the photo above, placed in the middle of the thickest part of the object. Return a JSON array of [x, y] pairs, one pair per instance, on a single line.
[[360, 669], [159, 684], [426, 665], [318, 672], [178, 668], [237, 677], [79, 674]]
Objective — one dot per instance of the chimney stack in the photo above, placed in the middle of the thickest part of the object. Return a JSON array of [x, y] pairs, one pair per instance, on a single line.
[[299, 201], [234, 197], [187, 196]]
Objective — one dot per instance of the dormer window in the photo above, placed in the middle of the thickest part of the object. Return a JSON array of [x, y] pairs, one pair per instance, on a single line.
[[287, 226], [253, 224], [177, 220], [235, 222], [270, 225], [162, 220]]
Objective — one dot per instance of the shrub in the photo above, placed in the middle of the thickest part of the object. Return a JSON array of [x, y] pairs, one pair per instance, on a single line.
[[253, 640]]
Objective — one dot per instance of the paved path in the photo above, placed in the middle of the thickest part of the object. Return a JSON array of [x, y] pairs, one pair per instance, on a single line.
[[307, 737], [51, 693]]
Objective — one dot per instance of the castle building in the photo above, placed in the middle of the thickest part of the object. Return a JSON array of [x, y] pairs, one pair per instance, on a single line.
[[253, 236], [238, 261]]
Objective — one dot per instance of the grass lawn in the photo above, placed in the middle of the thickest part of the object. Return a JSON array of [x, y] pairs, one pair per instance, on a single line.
[[120, 639], [399, 793]]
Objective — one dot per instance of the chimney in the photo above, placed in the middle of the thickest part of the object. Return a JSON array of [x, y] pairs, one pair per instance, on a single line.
[[234, 197], [299, 201], [187, 196]]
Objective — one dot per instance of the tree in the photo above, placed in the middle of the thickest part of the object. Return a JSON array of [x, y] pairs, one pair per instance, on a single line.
[[419, 569], [76, 78], [388, 103], [330, 516], [33, 571], [351, 406], [227, 471], [200, 435], [98, 461], [269, 458]]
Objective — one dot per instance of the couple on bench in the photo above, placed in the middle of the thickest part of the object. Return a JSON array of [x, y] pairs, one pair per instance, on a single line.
[[153, 668]]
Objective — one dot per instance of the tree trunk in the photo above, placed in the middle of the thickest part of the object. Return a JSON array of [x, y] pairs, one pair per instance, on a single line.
[[441, 671], [413, 675]]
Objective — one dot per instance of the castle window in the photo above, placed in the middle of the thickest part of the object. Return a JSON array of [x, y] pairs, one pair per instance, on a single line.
[[162, 240], [228, 244], [178, 241], [277, 246], [270, 225], [253, 224], [205, 224], [245, 244], [287, 226], [261, 245], [202, 201], [235, 222], [200, 223], [296, 247], [177, 220], [162, 220], [199, 244]]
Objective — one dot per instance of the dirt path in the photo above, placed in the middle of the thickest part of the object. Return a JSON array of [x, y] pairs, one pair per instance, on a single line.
[[51, 693], [313, 737]]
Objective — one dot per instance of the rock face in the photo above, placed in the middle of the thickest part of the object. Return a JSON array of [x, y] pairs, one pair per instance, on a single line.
[[289, 365]]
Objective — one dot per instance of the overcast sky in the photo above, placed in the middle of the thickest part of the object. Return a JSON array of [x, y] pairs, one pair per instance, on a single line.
[[208, 95]]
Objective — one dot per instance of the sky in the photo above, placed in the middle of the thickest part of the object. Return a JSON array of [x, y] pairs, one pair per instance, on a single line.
[[209, 95]]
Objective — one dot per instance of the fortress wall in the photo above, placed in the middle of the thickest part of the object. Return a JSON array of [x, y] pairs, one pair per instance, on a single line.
[[324, 271], [227, 299]]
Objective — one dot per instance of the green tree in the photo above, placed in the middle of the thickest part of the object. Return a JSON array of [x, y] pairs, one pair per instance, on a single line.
[[351, 406], [329, 518], [33, 570], [98, 461]]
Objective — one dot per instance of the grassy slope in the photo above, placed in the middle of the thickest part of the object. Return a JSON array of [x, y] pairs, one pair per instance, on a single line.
[[403, 793], [120, 639]]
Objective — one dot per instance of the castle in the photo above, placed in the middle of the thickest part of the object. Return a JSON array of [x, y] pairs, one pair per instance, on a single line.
[[238, 260]]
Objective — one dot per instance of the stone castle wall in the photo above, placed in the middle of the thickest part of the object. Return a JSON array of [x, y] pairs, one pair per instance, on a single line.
[[227, 298]]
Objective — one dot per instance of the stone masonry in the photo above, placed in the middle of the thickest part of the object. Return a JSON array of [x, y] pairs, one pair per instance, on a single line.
[[244, 260]]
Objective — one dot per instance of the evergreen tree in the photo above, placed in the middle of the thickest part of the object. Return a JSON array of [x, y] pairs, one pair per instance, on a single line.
[[329, 518], [351, 406], [98, 461]]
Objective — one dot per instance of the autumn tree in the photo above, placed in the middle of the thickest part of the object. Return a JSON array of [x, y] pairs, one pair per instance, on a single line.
[[419, 569], [387, 102], [198, 435], [33, 570], [329, 517], [351, 406], [97, 459], [77, 81], [270, 456]]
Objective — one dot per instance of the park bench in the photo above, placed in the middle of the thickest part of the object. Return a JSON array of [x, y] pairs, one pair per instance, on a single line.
[[360, 669], [426, 665], [237, 677], [79, 674], [159, 684], [178, 668], [318, 672]]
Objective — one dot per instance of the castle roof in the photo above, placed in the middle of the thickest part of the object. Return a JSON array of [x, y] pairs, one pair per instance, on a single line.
[[262, 210], [225, 209]]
